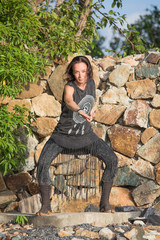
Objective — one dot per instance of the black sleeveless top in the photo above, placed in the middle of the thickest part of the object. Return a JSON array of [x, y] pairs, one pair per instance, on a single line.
[[72, 130]]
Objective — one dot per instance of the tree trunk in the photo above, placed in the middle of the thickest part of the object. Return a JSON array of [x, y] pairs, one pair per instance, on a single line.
[[84, 16]]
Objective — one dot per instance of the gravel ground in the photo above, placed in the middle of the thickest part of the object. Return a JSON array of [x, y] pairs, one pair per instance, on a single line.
[[48, 233]]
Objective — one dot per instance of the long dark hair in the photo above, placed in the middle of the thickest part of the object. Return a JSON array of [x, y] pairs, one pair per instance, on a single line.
[[78, 59]]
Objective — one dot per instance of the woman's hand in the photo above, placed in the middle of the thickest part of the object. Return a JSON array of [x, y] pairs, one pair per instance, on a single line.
[[92, 113], [85, 116], [68, 98]]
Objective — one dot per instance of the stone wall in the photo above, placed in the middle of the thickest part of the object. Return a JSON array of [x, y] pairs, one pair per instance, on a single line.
[[127, 117]]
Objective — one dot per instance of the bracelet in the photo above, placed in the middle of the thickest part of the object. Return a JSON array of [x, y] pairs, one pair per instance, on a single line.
[[80, 109]]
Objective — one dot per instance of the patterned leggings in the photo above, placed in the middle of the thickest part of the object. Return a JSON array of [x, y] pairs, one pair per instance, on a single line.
[[98, 149]]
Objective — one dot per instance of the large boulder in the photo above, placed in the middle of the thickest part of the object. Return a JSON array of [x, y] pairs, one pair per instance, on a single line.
[[57, 81], [124, 139]]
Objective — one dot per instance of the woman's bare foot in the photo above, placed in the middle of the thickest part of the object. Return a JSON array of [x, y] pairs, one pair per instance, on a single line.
[[107, 210], [43, 213], [45, 210]]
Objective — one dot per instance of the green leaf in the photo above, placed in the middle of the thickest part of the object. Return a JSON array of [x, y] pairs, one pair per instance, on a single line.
[[21, 219], [71, 23]]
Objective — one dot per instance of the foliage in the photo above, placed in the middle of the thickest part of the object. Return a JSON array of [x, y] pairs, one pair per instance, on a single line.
[[12, 148], [32, 37], [111, 18], [96, 48], [144, 33], [148, 26], [21, 219], [19, 31]]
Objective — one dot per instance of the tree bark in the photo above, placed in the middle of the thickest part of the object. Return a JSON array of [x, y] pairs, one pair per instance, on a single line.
[[83, 17], [35, 3]]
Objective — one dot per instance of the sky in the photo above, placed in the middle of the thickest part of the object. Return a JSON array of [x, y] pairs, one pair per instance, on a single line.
[[132, 8]]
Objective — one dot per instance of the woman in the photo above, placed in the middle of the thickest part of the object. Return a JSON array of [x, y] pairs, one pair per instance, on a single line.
[[74, 134]]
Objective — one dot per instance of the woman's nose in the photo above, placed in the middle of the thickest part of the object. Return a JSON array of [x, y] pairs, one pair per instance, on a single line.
[[80, 74]]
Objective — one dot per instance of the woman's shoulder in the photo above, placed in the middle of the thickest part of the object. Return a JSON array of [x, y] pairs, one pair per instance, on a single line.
[[70, 83], [69, 87], [91, 81]]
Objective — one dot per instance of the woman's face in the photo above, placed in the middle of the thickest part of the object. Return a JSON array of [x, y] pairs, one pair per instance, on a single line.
[[80, 73]]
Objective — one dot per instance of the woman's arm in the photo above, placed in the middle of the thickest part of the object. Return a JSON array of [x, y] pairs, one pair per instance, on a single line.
[[71, 104]]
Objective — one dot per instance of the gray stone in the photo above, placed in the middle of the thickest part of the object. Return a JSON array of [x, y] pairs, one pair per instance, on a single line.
[[106, 233], [103, 75], [59, 182], [150, 151], [147, 70], [126, 177], [31, 144], [144, 169], [6, 197], [18, 237], [91, 208], [29, 163], [120, 75], [30, 205], [146, 193], [115, 95], [139, 222], [136, 233]]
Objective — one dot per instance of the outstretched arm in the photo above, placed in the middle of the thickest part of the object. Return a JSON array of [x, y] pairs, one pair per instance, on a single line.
[[71, 104]]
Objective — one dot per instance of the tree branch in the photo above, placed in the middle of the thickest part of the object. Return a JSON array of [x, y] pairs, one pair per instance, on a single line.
[[83, 18], [35, 3], [120, 30], [59, 2]]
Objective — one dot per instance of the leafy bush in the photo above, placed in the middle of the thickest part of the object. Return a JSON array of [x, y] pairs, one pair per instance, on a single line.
[[12, 149]]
